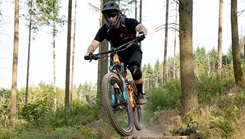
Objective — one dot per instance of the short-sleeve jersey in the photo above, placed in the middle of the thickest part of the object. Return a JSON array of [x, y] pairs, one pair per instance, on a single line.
[[114, 36]]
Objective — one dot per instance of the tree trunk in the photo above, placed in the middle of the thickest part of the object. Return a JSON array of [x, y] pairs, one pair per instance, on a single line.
[[73, 50], [68, 56], [54, 65], [175, 32], [102, 63], [140, 11], [244, 48], [136, 9], [220, 34], [189, 92], [102, 70], [165, 43], [140, 16], [235, 45], [28, 55], [13, 109]]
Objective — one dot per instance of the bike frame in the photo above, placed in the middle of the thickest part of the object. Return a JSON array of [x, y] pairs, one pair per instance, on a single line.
[[123, 76]]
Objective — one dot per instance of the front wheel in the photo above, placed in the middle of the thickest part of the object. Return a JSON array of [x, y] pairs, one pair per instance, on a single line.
[[117, 104]]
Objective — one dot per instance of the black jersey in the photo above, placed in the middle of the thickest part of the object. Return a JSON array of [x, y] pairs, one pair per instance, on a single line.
[[115, 37]]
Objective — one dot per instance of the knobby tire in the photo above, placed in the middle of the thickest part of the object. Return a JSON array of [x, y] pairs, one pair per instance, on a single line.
[[112, 86]]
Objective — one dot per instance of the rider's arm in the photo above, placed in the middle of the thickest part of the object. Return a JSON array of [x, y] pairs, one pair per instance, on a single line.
[[93, 46], [141, 28], [100, 36]]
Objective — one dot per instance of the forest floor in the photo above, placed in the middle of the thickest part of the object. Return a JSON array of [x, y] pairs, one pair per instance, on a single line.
[[153, 130], [146, 132]]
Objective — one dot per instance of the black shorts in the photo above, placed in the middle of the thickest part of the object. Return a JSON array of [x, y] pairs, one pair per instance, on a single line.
[[131, 57]]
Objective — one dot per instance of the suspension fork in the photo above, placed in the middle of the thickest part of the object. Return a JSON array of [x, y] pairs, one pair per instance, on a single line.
[[121, 73], [124, 89]]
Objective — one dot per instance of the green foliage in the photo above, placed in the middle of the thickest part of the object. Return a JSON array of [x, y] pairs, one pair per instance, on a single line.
[[226, 60], [42, 92], [49, 11], [49, 133], [4, 110], [226, 118], [37, 119], [79, 114], [223, 124], [7, 133], [211, 87], [71, 132], [201, 62], [157, 72], [43, 12], [212, 55], [217, 92], [166, 97], [36, 112], [190, 128], [205, 64], [243, 66], [83, 114]]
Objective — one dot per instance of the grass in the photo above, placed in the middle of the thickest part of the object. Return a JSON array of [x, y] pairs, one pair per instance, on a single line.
[[220, 114], [39, 122], [45, 133]]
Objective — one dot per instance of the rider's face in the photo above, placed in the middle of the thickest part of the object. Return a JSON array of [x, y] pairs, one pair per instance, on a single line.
[[111, 17]]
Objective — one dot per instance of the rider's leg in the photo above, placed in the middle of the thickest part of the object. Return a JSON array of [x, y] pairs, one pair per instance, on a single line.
[[137, 76], [134, 64]]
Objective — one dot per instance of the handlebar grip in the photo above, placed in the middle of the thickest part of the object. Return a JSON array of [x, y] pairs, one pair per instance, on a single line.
[[91, 57], [96, 57], [88, 57], [140, 38]]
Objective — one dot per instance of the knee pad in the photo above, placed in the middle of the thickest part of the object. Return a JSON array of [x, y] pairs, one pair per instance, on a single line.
[[136, 72]]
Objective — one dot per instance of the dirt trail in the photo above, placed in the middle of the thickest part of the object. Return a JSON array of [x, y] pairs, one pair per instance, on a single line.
[[148, 132], [145, 132]]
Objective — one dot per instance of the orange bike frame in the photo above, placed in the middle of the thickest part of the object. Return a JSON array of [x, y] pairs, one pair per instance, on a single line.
[[130, 88]]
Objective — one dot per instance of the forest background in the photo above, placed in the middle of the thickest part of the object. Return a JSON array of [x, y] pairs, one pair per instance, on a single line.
[[215, 88], [205, 35]]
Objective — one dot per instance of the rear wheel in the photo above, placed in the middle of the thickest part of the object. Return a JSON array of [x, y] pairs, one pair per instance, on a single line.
[[138, 121], [117, 104]]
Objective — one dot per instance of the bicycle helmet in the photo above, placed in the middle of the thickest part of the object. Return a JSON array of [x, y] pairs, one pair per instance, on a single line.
[[108, 7]]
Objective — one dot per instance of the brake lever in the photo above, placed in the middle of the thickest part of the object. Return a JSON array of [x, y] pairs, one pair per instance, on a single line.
[[90, 58]]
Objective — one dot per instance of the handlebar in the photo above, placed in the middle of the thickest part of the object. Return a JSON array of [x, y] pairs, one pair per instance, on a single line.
[[122, 47]]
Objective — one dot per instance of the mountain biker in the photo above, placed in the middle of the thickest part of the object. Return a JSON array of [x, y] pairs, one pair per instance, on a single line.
[[119, 30]]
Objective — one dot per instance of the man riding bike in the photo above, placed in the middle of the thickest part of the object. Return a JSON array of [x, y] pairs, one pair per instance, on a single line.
[[119, 30]]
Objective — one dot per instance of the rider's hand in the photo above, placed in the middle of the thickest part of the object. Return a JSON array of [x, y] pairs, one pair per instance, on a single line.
[[141, 32], [88, 56], [140, 37]]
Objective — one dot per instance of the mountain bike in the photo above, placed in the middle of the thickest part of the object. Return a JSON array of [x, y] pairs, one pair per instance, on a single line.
[[119, 94]]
